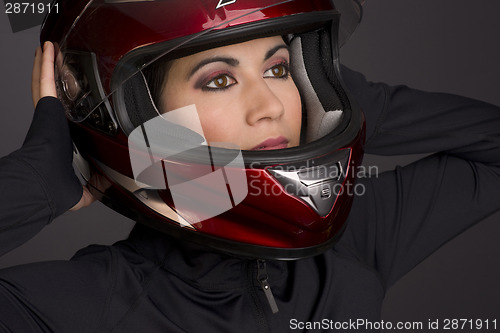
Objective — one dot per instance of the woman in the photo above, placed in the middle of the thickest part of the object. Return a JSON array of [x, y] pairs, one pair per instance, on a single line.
[[165, 282]]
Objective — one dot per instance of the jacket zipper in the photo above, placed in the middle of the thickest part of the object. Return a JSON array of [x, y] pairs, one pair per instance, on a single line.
[[264, 284]]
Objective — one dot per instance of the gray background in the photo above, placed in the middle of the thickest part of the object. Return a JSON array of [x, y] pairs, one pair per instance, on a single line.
[[31, 17], [436, 45]]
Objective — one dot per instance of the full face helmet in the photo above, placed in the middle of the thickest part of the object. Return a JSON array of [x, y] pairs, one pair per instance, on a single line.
[[157, 167]]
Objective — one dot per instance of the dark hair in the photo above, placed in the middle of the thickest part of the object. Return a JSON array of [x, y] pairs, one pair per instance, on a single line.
[[156, 74]]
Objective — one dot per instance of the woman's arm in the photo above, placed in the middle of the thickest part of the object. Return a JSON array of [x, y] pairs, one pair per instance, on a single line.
[[408, 213], [37, 182]]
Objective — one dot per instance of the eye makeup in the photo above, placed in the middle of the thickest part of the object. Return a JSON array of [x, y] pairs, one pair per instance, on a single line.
[[224, 80], [225, 77], [205, 80]]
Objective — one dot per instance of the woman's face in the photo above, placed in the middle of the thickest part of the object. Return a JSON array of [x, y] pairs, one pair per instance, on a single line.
[[244, 94]]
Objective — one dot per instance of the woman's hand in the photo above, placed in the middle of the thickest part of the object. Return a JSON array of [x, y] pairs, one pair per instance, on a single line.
[[86, 199], [43, 85], [42, 80]]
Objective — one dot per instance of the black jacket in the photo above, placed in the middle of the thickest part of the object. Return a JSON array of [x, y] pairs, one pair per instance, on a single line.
[[152, 283]]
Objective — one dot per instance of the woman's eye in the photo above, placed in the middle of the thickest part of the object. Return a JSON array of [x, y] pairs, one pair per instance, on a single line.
[[220, 82], [277, 71]]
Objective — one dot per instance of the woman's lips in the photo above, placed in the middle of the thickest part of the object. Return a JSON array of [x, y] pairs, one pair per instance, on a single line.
[[273, 143]]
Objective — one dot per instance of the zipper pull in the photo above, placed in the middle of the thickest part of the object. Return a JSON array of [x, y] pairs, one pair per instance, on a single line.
[[264, 284]]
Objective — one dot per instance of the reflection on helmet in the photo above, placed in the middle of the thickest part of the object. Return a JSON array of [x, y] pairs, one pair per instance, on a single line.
[[158, 168]]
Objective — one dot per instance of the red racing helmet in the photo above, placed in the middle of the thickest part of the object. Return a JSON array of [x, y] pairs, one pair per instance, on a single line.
[[289, 203]]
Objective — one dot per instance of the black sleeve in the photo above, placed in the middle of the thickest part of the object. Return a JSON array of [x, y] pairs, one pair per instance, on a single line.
[[408, 213], [59, 296], [37, 182]]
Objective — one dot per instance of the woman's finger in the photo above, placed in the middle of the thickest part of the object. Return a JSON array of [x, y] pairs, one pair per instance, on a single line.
[[47, 83], [35, 76], [85, 200]]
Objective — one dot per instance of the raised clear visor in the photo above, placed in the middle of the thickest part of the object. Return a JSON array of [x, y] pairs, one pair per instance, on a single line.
[[351, 14]]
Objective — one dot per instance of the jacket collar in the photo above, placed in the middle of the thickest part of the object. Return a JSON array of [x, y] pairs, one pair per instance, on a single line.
[[199, 265]]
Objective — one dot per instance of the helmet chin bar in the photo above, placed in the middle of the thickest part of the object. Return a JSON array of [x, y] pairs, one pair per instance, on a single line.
[[150, 198], [318, 182]]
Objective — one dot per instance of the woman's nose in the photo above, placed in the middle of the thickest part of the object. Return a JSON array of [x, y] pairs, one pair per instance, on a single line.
[[262, 103]]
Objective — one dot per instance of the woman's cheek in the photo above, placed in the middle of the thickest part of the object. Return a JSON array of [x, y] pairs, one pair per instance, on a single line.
[[294, 106], [211, 123]]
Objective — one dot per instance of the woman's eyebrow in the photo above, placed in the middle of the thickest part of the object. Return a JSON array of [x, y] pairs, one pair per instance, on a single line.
[[275, 49], [230, 61]]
